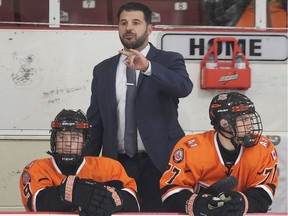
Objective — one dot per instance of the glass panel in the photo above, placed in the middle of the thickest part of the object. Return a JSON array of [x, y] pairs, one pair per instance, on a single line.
[[239, 13], [170, 12], [84, 12]]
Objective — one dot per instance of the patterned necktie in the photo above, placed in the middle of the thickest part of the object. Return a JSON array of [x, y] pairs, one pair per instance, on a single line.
[[130, 137]]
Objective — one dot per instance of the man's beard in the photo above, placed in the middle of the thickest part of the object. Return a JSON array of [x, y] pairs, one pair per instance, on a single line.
[[134, 44]]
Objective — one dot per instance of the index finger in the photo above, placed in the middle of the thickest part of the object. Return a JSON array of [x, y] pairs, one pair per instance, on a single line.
[[123, 52], [136, 52]]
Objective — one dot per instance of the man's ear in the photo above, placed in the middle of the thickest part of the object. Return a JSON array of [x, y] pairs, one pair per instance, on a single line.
[[224, 123], [149, 29]]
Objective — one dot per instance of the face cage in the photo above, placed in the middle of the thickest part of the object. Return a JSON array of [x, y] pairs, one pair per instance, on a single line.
[[248, 129], [69, 155]]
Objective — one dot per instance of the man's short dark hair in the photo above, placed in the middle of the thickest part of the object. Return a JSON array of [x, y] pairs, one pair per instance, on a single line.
[[134, 6]]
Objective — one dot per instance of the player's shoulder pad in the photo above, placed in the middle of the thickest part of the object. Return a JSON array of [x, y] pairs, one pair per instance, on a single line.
[[178, 155], [29, 165], [266, 143], [194, 140], [189, 144], [35, 163]]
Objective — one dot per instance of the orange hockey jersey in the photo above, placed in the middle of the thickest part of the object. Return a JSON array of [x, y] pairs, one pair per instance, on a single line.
[[276, 15], [43, 173], [196, 163]]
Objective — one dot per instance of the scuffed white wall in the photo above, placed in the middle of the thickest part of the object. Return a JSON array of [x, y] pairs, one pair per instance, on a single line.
[[15, 155]]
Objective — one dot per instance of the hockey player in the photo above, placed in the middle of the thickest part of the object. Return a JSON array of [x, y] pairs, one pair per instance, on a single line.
[[235, 148], [69, 182]]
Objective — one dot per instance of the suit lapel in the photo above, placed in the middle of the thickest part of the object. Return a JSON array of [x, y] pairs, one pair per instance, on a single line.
[[152, 52], [110, 81], [150, 55]]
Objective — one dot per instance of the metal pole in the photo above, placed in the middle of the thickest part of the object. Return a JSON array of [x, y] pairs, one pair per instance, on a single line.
[[54, 13], [260, 14]]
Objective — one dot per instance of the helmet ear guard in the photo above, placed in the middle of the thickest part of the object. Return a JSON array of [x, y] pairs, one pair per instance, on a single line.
[[224, 123], [72, 124], [223, 112]]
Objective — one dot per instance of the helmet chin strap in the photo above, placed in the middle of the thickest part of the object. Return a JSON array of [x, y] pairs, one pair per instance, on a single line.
[[50, 153], [232, 139], [234, 142]]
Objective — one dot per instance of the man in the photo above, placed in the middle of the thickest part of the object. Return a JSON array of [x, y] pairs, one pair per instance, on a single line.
[[69, 182], [195, 183], [161, 80]]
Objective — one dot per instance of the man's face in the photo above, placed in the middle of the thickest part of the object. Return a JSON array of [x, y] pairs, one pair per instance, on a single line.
[[133, 30], [69, 142], [243, 125]]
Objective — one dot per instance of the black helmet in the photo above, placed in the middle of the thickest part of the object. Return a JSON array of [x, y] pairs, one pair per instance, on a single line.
[[226, 107], [76, 124]]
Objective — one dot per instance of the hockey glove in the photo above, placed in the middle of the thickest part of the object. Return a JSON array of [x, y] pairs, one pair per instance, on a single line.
[[94, 198], [105, 200], [236, 203], [205, 204], [66, 189], [223, 185], [78, 191]]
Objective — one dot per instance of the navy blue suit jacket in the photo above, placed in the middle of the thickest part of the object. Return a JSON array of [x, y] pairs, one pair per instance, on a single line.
[[156, 106]]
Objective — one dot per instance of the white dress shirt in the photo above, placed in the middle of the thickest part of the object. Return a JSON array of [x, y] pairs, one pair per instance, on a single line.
[[121, 88]]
